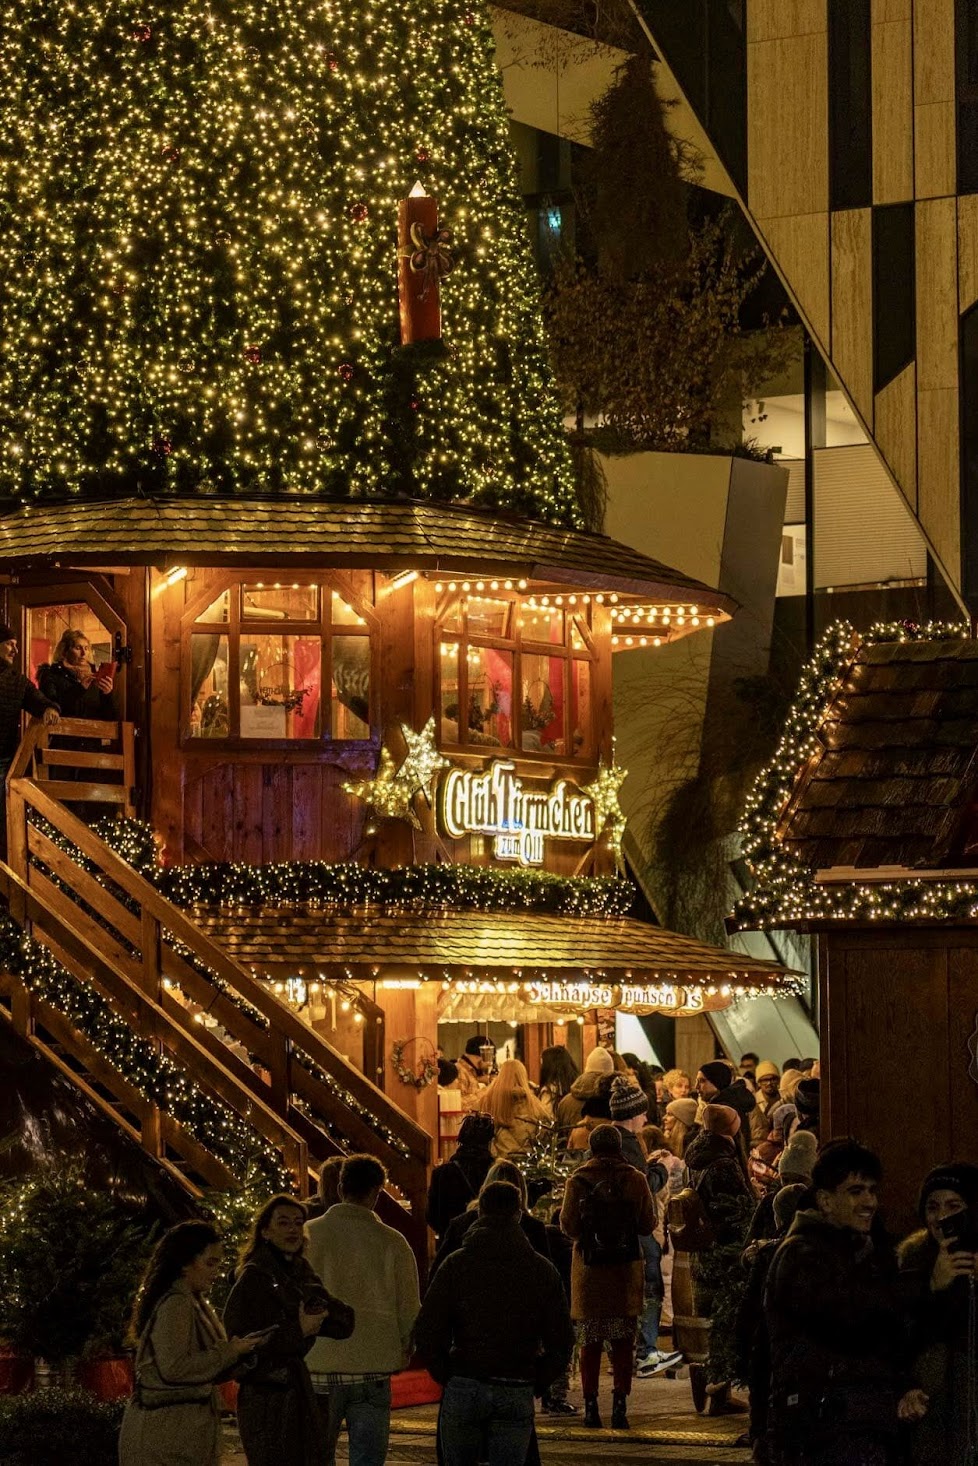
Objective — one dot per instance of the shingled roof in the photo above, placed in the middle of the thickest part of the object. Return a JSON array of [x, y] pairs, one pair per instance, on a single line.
[[898, 764], [368, 534], [362, 941]]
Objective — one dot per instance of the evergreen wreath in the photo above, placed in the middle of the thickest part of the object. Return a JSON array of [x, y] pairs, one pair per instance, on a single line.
[[425, 1070]]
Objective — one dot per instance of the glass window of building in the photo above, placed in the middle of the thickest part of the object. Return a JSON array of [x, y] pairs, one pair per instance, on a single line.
[[270, 661], [515, 673]]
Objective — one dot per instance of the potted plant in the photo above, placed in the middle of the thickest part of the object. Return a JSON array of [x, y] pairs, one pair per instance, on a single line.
[[70, 1261]]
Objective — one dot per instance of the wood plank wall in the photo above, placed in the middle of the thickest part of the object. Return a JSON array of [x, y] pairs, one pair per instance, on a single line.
[[260, 806], [825, 256], [899, 1010]]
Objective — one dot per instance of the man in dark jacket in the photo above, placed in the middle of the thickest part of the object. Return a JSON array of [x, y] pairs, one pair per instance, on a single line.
[[833, 1319], [495, 1330], [17, 694]]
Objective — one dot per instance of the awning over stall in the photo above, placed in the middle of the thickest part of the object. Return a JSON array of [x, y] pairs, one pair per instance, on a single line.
[[535, 960]]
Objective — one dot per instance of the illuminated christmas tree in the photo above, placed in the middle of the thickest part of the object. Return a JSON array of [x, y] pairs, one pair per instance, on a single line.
[[199, 256]]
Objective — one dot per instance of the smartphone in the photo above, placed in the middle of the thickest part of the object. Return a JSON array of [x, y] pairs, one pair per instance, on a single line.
[[106, 669], [960, 1231]]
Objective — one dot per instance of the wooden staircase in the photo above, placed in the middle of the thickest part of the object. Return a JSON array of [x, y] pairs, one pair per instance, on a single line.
[[242, 1045]]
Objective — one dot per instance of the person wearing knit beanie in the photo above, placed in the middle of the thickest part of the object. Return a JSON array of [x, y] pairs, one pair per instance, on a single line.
[[712, 1078], [959, 1177], [786, 1204], [599, 1061], [605, 1140], [721, 1120], [766, 1070], [628, 1102], [798, 1157], [683, 1110], [808, 1097]]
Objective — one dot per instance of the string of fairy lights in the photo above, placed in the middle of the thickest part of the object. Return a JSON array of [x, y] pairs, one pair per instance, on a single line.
[[785, 892], [345, 884], [198, 265], [157, 1078], [313, 883]]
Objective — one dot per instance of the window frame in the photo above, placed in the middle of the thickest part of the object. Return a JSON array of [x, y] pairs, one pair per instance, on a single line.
[[323, 628], [452, 602]]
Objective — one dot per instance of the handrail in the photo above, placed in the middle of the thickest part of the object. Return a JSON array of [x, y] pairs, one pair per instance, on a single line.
[[159, 947], [85, 961]]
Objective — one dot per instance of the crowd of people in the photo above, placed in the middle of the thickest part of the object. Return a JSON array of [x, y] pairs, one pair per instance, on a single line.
[[855, 1351]]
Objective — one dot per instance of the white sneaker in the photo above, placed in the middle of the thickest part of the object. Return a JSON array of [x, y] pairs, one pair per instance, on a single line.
[[657, 1363]]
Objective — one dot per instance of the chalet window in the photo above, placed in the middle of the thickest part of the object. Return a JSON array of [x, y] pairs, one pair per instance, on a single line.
[[516, 674], [47, 624], [259, 655]]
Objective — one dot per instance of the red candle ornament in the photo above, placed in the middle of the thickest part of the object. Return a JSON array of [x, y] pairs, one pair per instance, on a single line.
[[424, 256]]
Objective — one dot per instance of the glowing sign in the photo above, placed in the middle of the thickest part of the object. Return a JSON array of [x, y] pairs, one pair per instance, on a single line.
[[520, 820]]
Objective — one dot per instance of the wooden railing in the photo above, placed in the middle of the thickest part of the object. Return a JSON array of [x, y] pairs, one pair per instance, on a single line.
[[154, 965]]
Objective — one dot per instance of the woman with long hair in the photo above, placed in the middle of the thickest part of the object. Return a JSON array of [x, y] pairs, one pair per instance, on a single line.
[[277, 1292], [557, 1073], [182, 1352], [71, 680], [679, 1125], [513, 1108]]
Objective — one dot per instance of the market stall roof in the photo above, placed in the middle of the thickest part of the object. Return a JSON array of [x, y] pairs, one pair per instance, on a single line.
[[364, 943], [444, 539], [896, 767]]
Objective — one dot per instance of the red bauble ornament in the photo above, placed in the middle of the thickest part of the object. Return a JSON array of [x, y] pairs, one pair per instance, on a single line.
[[162, 447], [423, 155], [415, 404], [346, 371], [143, 33], [359, 212], [253, 354], [468, 18], [171, 154], [333, 62]]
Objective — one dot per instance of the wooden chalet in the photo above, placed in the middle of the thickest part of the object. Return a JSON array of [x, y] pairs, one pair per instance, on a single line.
[[300, 682], [868, 838]]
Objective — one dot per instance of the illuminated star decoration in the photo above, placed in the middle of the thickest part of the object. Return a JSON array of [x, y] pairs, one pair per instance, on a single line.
[[423, 761], [391, 794], [607, 810]]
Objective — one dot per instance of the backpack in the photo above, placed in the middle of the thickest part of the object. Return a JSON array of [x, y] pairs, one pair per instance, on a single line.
[[690, 1228], [609, 1226]]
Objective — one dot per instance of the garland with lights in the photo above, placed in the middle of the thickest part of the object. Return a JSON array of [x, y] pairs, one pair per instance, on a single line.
[[345, 884], [785, 893], [155, 1076], [198, 269], [425, 1070]]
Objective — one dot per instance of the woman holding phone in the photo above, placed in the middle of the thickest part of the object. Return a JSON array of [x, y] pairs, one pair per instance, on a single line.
[[939, 1267], [173, 1418], [277, 1291], [71, 680]]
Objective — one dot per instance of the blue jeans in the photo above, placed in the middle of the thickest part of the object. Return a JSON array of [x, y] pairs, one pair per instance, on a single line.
[[481, 1421], [648, 1324], [365, 1405]]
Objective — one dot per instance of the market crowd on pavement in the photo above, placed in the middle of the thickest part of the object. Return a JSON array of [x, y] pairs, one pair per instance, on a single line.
[[697, 1219]]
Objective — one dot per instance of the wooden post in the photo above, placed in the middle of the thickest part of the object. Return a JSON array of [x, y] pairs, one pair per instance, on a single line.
[[17, 851], [279, 1068], [152, 972], [151, 1130], [21, 1008]]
